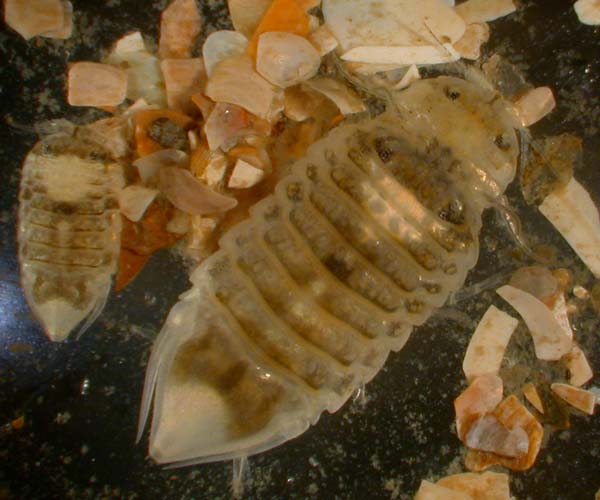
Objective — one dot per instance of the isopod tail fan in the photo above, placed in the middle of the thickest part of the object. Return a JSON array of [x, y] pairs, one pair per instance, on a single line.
[[213, 398]]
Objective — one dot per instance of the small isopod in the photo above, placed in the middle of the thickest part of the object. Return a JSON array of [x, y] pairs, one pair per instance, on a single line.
[[69, 230], [367, 235]]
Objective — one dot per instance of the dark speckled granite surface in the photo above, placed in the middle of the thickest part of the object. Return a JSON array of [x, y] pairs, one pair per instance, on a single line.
[[80, 399]]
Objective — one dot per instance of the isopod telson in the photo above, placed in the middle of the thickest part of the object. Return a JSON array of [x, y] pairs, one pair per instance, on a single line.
[[69, 230], [366, 236]]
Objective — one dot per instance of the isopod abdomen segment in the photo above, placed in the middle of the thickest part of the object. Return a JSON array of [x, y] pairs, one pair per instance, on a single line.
[[69, 232], [362, 241]]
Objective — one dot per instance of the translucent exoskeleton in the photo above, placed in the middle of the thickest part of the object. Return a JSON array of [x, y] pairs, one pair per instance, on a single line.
[[367, 235], [69, 230]]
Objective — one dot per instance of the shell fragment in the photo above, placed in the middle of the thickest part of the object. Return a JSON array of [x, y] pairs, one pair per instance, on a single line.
[[588, 11], [245, 175], [403, 55], [431, 491], [255, 95], [96, 84], [221, 45], [579, 367], [481, 397], [486, 486], [391, 23], [478, 11], [572, 211], [534, 105], [578, 398], [488, 343], [550, 339]]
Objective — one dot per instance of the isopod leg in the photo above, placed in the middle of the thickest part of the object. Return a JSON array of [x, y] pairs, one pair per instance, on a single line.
[[240, 468]]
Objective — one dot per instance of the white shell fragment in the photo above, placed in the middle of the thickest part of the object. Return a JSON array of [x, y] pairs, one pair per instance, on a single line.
[[344, 98], [486, 486], [572, 211], [245, 175], [31, 18], [96, 84], [215, 169], [550, 339], [469, 46], [255, 95], [403, 55], [285, 59], [246, 14], [187, 193], [534, 105], [149, 165], [559, 310], [488, 434], [412, 75], [132, 42], [478, 11], [144, 76], [430, 491], [323, 40], [224, 122], [221, 45], [588, 11], [134, 200], [578, 398], [579, 367], [488, 343], [391, 23], [183, 78]]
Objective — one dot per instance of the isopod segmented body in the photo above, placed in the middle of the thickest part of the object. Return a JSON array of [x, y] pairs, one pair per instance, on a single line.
[[367, 236], [69, 230]]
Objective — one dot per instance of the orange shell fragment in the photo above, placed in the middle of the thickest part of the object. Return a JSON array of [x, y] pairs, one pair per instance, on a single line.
[[480, 398], [510, 413], [31, 18], [282, 15], [486, 486], [532, 395], [180, 24]]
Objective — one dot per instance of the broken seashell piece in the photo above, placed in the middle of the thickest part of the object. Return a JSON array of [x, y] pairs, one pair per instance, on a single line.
[[534, 105], [550, 339], [578, 398], [579, 367], [486, 349], [481, 397]]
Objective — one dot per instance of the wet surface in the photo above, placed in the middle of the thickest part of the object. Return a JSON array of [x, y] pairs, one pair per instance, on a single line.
[[80, 399]]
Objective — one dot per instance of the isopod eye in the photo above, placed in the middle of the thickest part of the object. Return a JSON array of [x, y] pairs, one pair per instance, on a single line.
[[453, 212], [501, 143], [386, 147], [451, 94], [294, 191]]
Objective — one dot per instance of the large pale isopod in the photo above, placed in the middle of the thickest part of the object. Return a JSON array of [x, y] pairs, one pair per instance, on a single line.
[[362, 241], [69, 230]]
